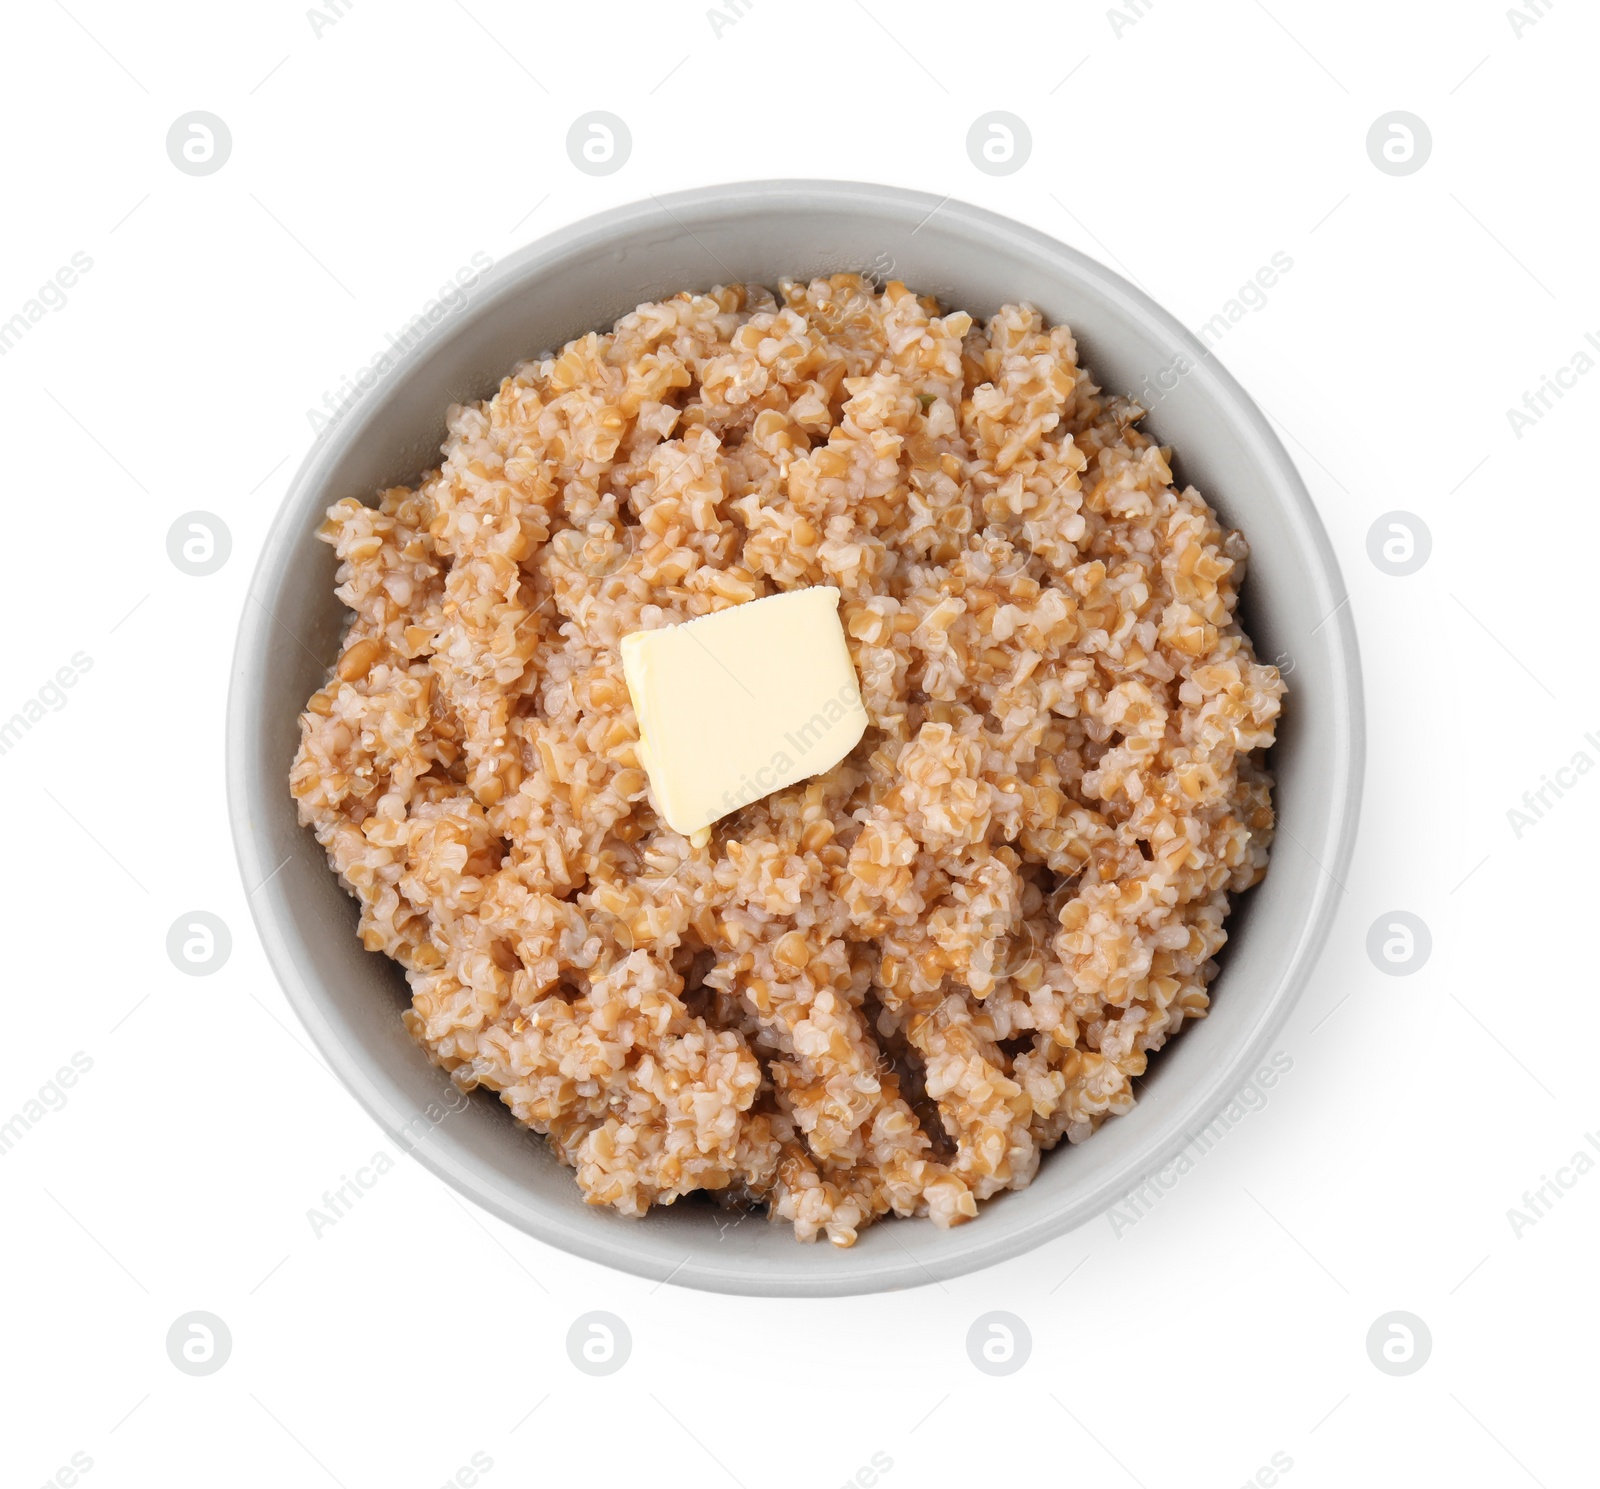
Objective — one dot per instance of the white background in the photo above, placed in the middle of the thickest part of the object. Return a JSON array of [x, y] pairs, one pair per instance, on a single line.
[[369, 163]]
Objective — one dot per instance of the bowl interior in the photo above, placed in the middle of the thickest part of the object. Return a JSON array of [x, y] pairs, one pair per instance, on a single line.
[[582, 279]]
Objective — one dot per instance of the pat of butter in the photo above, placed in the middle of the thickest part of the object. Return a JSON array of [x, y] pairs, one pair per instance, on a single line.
[[738, 704]]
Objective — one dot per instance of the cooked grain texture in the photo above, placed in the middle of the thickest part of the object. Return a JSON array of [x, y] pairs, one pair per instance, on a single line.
[[884, 990]]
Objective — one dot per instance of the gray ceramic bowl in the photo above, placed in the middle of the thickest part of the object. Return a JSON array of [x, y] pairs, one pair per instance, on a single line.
[[582, 278]]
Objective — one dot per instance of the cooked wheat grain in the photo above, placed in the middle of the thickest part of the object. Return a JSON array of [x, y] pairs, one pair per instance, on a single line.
[[885, 989]]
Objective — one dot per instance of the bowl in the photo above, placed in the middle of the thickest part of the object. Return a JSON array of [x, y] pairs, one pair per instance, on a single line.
[[583, 278]]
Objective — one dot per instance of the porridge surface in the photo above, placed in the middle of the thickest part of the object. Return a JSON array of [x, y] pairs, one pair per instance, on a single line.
[[887, 989]]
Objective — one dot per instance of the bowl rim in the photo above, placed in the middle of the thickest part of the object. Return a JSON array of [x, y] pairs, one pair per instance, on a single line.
[[987, 1245]]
